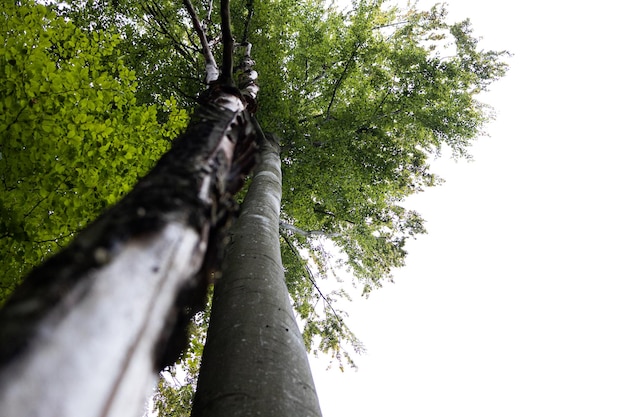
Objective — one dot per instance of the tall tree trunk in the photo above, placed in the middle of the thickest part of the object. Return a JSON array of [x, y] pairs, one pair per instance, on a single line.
[[87, 331], [254, 361]]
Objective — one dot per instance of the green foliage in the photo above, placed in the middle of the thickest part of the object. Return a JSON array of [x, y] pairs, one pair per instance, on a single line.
[[177, 385], [155, 40], [365, 93], [361, 98], [324, 329], [73, 139]]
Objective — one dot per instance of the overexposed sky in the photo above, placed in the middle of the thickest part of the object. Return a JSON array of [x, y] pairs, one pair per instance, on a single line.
[[514, 304]]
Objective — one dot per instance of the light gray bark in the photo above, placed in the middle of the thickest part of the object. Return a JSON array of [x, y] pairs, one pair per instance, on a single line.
[[255, 362], [92, 355]]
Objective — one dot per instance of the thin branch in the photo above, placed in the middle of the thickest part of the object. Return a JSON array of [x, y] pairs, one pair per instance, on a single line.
[[42, 200], [305, 233], [209, 12], [381, 104], [55, 239], [206, 51], [15, 120], [328, 213], [191, 98], [313, 81], [404, 22], [228, 42], [211, 65], [294, 250], [37, 205], [339, 81], [306, 119], [4, 180], [161, 20], [250, 7], [191, 39]]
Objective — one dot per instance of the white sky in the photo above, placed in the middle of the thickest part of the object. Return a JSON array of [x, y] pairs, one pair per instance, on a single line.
[[514, 304]]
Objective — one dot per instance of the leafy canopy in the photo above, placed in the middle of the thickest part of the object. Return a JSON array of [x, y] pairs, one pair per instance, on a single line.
[[362, 98]]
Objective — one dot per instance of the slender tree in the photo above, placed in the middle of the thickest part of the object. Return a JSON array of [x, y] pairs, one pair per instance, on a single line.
[[254, 361]]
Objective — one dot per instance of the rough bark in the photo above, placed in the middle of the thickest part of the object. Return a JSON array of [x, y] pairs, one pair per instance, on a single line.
[[87, 331], [254, 362]]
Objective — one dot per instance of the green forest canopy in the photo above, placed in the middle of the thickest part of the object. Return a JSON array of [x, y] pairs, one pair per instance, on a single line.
[[93, 92]]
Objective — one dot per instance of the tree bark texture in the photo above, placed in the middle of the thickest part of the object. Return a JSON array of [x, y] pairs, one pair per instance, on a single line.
[[88, 330], [255, 362]]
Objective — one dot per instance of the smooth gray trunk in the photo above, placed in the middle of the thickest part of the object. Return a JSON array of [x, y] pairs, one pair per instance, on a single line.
[[255, 362]]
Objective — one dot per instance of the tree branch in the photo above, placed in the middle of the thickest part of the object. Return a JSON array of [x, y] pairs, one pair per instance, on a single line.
[[328, 213], [211, 66], [228, 42], [339, 81], [38, 203], [207, 22], [389, 25], [380, 106], [250, 7], [191, 98], [55, 239], [294, 250], [154, 9], [305, 233], [191, 39]]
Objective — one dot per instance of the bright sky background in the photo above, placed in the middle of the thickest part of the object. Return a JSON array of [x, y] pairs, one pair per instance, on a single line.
[[514, 304]]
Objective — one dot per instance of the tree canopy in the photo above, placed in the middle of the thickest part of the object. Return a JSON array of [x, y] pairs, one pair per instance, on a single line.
[[361, 99], [74, 138]]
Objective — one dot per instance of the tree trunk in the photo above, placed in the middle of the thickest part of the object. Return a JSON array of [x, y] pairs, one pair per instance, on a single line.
[[87, 332], [254, 361]]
